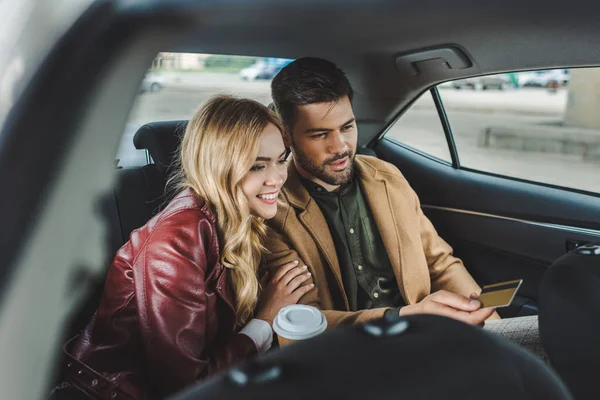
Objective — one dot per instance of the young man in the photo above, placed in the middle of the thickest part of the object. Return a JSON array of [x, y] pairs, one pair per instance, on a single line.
[[354, 220]]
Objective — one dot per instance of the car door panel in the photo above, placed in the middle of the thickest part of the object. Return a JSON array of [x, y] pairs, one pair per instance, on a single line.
[[502, 228]]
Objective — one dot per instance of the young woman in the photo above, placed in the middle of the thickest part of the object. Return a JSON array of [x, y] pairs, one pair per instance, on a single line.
[[180, 296]]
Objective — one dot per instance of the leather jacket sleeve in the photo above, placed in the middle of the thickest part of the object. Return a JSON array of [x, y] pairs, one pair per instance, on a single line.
[[173, 299]]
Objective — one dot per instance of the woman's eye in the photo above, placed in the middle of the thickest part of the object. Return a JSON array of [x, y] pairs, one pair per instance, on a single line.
[[257, 168]]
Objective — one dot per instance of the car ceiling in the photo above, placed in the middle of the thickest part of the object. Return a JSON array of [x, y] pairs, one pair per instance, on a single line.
[[364, 38]]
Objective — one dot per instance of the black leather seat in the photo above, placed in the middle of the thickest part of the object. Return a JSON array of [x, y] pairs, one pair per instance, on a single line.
[[569, 319], [140, 192]]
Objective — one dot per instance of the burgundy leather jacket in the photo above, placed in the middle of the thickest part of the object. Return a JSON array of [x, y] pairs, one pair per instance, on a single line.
[[166, 318]]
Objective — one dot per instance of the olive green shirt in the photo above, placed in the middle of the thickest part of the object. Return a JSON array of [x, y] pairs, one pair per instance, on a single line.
[[367, 274]]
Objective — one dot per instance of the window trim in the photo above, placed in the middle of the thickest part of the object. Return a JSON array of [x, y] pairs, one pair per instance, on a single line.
[[523, 180], [491, 174], [383, 134], [421, 153], [439, 105]]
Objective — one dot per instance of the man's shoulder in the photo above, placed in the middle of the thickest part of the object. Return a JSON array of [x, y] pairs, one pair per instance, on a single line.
[[384, 169]]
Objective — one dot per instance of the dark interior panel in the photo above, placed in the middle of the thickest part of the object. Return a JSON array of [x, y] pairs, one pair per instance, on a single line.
[[501, 228], [496, 250], [535, 242], [438, 184]]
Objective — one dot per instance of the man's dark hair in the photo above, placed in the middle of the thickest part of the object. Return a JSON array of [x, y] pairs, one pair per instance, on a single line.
[[308, 80]]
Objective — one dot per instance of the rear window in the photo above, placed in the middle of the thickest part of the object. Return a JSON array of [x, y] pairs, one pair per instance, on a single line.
[[177, 83]]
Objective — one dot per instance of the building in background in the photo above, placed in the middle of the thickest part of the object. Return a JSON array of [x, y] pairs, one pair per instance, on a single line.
[[185, 61]]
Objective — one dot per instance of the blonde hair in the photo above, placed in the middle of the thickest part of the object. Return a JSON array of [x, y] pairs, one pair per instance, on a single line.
[[219, 147]]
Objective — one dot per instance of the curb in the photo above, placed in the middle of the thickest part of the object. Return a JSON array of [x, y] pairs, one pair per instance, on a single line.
[[544, 139]]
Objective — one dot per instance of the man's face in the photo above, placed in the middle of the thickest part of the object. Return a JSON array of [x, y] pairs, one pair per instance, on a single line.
[[324, 142]]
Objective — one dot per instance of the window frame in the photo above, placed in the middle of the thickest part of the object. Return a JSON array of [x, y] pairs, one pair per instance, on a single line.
[[439, 105], [452, 148], [383, 134]]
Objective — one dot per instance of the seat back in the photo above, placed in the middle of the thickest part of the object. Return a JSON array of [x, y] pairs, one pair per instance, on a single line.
[[138, 195], [569, 319], [140, 192], [417, 357]]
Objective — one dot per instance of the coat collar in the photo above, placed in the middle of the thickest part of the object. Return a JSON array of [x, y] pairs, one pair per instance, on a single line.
[[299, 197]]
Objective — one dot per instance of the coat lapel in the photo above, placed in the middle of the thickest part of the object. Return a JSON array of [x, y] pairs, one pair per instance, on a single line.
[[314, 222], [376, 194]]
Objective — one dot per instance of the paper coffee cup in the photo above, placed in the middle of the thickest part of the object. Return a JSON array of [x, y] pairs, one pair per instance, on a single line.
[[298, 322]]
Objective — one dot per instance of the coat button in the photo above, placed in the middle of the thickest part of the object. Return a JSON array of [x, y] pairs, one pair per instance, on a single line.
[[80, 372], [351, 230], [375, 294], [113, 395], [254, 373], [360, 267], [94, 382]]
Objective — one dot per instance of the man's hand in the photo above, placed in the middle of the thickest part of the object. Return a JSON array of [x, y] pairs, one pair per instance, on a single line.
[[451, 305]]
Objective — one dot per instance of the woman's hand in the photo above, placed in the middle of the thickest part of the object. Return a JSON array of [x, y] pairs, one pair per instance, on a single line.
[[286, 287]]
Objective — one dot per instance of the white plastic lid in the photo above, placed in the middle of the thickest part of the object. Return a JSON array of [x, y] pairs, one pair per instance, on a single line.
[[299, 322]]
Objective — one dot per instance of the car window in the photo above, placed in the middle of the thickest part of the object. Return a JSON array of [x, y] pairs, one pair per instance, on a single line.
[[420, 128], [540, 126], [177, 83]]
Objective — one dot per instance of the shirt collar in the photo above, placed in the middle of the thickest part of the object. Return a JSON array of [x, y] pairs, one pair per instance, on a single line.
[[316, 189]]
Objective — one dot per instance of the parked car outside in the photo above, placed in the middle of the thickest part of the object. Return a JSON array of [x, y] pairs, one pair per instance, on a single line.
[[264, 69], [153, 82], [256, 71], [547, 78], [498, 81]]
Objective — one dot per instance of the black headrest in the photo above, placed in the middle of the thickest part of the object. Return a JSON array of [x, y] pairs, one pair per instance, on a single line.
[[161, 139], [418, 357]]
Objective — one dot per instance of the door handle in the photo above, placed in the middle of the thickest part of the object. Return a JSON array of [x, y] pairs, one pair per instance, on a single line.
[[572, 244]]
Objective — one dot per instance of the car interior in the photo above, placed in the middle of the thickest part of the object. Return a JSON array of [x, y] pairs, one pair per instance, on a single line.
[[70, 208]]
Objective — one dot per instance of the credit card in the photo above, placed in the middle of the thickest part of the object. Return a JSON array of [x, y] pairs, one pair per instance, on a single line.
[[499, 294]]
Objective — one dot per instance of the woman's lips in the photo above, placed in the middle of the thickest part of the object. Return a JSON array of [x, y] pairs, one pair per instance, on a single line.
[[271, 200]]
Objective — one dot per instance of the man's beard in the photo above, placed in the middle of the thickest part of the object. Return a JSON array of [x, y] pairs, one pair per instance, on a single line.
[[320, 171]]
